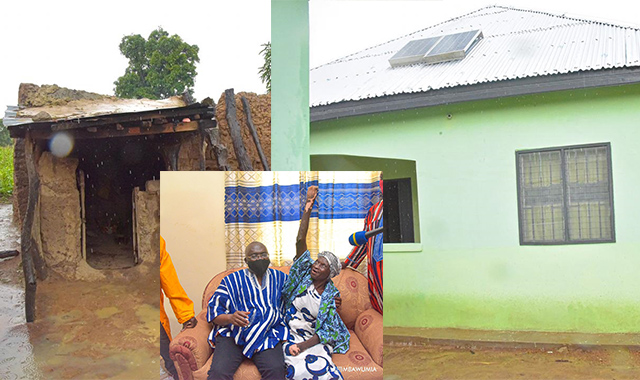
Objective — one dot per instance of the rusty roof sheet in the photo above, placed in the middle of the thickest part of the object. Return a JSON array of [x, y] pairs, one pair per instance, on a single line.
[[77, 109]]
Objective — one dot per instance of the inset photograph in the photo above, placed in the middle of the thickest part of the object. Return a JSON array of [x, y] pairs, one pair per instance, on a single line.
[[272, 274]]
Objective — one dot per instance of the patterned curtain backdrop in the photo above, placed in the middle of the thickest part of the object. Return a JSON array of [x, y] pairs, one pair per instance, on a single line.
[[267, 206]]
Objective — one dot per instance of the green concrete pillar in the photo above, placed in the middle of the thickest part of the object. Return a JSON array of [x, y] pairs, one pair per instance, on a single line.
[[290, 85]]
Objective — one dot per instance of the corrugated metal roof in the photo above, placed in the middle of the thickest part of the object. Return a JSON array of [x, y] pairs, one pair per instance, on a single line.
[[517, 44], [11, 117], [76, 109]]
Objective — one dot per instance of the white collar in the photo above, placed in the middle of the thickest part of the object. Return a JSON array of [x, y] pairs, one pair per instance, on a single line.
[[254, 278]]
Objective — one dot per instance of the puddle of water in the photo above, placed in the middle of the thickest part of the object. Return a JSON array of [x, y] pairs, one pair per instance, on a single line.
[[16, 353], [150, 316], [107, 312], [10, 236]]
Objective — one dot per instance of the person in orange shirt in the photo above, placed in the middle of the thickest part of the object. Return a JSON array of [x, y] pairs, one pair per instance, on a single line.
[[180, 303]]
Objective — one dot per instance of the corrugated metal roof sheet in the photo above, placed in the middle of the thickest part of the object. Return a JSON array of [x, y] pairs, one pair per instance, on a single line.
[[11, 117], [76, 109], [517, 44]]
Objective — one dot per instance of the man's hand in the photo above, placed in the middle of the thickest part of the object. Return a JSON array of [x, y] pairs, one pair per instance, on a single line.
[[240, 318], [338, 301], [294, 350], [344, 264], [191, 323], [312, 193]]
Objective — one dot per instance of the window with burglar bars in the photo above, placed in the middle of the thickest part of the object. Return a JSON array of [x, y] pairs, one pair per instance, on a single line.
[[565, 195]]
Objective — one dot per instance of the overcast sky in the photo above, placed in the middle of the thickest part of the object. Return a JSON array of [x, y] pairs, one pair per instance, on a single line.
[[343, 27], [74, 44]]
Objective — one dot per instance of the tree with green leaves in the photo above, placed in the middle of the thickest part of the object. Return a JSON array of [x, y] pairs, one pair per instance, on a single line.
[[265, 70], [159, 67], [5, 140]]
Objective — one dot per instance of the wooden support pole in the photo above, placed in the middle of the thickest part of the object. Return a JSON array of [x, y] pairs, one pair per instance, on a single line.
[[9, 253], [234, 130], [212, 135], [171, 153], [32, 263], [254, 134]]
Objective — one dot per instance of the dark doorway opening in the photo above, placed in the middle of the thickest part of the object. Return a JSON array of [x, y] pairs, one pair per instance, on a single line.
[[108, 172]]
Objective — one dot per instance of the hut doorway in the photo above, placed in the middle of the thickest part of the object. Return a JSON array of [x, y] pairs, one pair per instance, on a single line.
[[109, 172]]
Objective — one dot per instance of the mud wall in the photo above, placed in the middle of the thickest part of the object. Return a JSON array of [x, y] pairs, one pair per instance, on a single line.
[[31, 95], [20, 182], [191, 152], [148, 224], [59, 214], [261, 117]]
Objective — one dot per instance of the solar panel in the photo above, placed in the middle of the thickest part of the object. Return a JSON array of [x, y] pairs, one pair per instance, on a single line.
[[436, 49], [413, 51], [453, 46]]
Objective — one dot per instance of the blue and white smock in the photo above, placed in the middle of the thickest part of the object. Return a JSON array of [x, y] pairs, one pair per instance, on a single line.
[[240, 291]]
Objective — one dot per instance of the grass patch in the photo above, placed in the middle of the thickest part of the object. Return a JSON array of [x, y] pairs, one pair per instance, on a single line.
[[6, 173]]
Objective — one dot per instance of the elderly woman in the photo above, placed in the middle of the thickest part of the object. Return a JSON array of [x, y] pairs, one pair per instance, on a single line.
[[316, 329]]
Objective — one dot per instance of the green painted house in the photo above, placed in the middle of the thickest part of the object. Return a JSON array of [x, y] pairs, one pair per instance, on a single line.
[[510, 145]]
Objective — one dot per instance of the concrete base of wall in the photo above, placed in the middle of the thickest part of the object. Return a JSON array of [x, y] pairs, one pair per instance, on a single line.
[[507, 339]]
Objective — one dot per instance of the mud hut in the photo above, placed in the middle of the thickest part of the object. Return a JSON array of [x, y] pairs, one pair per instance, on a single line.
[[87, 168]]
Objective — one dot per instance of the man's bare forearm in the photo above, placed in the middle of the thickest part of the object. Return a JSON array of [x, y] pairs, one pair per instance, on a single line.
[[222, 320]]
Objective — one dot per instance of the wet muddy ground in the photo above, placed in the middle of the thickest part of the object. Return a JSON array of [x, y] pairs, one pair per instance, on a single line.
[[440, 362], [83, 330]]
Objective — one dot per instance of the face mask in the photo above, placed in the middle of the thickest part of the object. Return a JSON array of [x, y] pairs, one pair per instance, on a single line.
[[259, 267]]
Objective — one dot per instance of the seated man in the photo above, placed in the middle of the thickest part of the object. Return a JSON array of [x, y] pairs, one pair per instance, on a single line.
[[246, 311]]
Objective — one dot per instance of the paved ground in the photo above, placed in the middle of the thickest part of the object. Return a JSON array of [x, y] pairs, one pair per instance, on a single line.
[[440, 362]]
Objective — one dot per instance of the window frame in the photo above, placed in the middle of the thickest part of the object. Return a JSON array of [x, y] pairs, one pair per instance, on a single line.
[[565, 209]]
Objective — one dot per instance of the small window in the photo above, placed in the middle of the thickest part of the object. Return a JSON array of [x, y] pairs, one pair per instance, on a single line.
[[398, 211], [565, 195]]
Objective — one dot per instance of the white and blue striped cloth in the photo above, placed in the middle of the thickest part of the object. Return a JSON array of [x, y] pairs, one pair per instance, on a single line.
[[267, 207], [240, 291]]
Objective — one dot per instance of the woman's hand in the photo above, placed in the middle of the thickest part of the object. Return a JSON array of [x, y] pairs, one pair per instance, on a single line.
[[294, 350], [312, 193]]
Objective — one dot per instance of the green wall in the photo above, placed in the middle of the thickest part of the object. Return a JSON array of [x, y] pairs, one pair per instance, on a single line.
[[469, 271], [391, 168], [290, 85]]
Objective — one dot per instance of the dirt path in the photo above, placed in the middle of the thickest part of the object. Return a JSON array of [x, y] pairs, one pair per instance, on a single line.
[[83, 330], [437, 362]]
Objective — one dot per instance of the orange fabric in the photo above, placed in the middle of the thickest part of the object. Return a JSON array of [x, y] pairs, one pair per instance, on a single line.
[[170, 285]]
